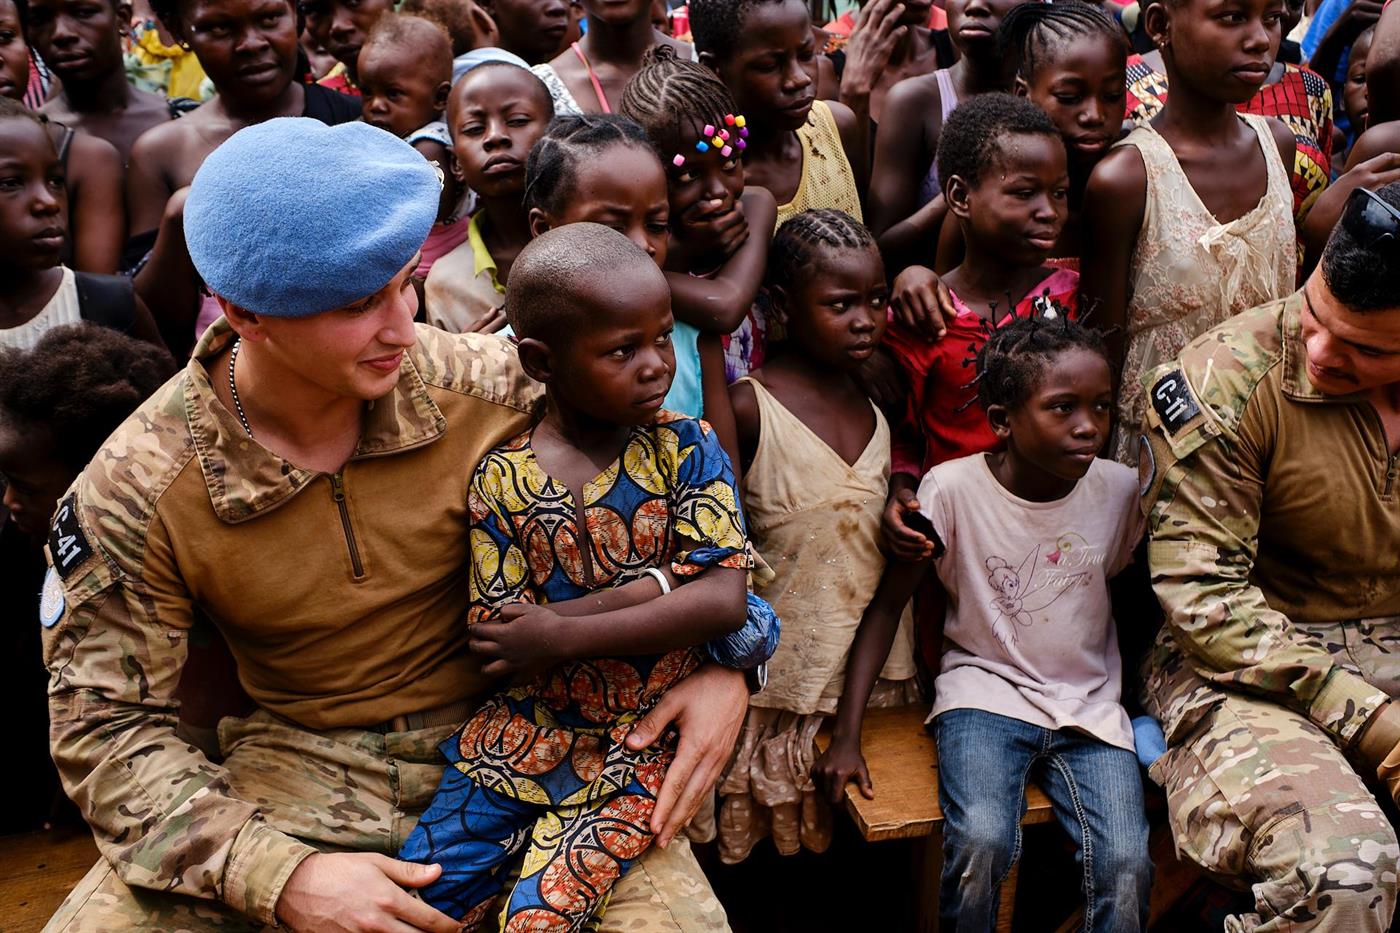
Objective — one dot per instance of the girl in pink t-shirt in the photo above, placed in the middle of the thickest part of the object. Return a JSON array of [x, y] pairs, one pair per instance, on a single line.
[[1026, 539]]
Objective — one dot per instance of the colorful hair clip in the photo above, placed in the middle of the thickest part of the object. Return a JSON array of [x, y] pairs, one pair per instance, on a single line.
[[739, 121], [709, 130], [726, 151], [702, 146], [741, 144], [743, 131], [717, 142], [724, 135], [729, 119], [678, 160]]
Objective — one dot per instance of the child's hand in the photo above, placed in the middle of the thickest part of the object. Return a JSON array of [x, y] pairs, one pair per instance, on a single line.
[[922, 303], [837, 766], [904, 542], [528, 639], [723, 232]]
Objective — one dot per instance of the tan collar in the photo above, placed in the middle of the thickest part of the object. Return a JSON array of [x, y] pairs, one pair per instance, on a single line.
[[244, 478]]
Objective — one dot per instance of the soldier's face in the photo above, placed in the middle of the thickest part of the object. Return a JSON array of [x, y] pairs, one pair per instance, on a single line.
[[1348, 351], [352, 352]]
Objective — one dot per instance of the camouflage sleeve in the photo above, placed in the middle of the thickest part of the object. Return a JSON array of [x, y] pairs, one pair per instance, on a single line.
[[117, 617], [1203, 490]]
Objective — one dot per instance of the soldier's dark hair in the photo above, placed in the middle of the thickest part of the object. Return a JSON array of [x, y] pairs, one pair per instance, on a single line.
[[553, 163], [668, 95], [798, 240], [545, 279], [1013, 361], [715, 25], [1361, 276], [972, 137], [79, 382], [1031, 30]]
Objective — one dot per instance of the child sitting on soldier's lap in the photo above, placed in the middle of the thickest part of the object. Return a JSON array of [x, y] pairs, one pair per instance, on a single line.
[[496, 113], [1030, 679], [607, 491], [405, 73]]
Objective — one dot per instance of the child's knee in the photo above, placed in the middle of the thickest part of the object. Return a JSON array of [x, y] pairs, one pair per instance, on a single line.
[[981, 843]]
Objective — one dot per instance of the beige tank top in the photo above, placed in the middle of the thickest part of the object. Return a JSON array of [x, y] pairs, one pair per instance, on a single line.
[[1190, 272], [827, 179], [815, 519]]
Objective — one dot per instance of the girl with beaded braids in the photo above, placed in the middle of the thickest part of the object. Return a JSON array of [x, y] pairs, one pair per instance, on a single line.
[[1029, 684], [1072, 61], [815, 452], [604, 169], [714, 263]]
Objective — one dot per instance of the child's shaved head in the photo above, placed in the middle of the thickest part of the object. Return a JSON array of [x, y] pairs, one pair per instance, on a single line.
[[567, 274], [426, 40]]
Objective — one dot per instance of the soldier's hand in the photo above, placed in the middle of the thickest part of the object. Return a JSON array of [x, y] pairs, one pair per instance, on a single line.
[[359, 892]]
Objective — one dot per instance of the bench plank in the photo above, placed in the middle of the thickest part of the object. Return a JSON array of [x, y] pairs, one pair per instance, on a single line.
[[903, 763]]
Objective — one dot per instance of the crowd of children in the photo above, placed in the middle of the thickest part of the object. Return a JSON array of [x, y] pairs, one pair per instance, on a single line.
[[913, 440]]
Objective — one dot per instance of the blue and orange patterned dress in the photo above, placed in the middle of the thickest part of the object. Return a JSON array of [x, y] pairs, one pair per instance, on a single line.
[[550, 753]]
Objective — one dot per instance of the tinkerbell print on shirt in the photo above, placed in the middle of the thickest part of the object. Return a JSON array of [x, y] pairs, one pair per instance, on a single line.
[[1045, 574]]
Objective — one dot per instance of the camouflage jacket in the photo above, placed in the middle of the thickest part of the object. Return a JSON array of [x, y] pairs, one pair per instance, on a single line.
[[341, 598], [1268, 503]]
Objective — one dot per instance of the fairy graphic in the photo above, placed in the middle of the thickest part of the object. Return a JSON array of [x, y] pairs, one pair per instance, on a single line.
[[1019, 593]]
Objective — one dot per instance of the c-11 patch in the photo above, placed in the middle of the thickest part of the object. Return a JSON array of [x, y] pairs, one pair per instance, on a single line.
[[68, 546], [1173, 401]]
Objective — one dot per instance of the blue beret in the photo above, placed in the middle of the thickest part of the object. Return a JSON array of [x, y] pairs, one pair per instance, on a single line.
[[292, 217]]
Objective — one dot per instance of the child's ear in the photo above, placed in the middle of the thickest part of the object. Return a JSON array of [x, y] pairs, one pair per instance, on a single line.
[[536, 359], [440, 96], [456, 168], [1020, 88], [485, 35], [709, 61], [1156, 22], [956, 191], [779, 296], [123, 16], [1000, 419], [539, 223]]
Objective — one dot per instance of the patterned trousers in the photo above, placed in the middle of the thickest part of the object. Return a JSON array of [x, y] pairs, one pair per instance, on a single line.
[[1258, 795], [352, 790]]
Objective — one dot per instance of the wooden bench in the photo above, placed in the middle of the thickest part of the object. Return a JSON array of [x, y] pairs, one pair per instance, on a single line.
[[903, 766], [37, 870]]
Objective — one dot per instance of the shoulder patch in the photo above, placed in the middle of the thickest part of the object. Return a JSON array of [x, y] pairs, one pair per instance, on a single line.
[[68, 545], [1147, 465], [1174, 401], [51, 600]]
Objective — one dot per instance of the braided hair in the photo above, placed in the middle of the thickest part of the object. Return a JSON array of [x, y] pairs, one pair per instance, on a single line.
[[1029, 30], [669, 93], [798, 240], [554, 159], [715, 25], [972, 136], [1012, 362]]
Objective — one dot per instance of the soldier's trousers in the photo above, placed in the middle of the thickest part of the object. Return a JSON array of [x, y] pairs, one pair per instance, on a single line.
[[348, 789], [1259, 795]]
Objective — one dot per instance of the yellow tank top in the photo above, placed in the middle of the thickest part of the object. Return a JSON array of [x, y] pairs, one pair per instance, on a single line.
[[827, 179]]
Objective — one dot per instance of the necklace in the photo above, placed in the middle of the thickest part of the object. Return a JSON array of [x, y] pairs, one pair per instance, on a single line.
[[233, 389]]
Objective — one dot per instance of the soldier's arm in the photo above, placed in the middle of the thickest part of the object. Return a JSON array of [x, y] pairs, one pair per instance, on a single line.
[[162, 813], [1204, 489]]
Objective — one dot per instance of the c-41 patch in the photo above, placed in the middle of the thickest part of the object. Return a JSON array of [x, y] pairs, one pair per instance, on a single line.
[[68, 546], [51, 600], [1174, 401]]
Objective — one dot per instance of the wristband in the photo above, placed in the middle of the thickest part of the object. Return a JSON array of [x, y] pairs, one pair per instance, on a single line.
[[660, 578]]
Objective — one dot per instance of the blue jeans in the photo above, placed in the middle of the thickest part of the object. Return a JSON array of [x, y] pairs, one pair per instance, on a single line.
[[984, 761]]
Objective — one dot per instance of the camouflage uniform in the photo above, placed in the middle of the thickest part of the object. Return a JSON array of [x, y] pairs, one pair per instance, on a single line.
[[341, 598], [1275, 552]]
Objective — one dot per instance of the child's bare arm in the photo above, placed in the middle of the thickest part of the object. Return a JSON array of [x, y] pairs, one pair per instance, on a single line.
[[717, 304], [842, 760], [1115, 204], [530, 637], [714, 389]]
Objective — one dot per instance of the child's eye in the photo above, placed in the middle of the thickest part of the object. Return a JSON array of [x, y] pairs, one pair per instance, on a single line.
[[10, 182], [664, 340], [731, 164], [471, 129], [521, 120], [1068, 99], [271, 20], [685, 178], [621, 353]]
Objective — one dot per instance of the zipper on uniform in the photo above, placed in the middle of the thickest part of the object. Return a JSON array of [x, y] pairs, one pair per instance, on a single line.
[[338, 494], [1390, 468]]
